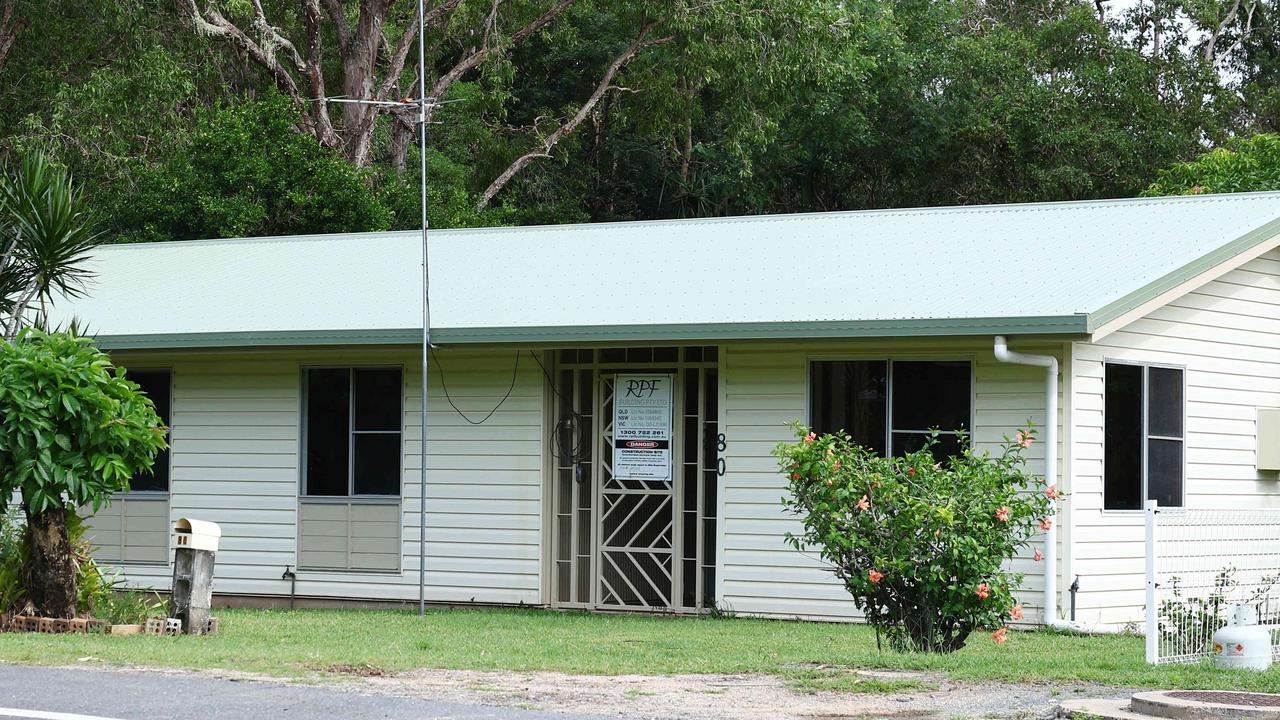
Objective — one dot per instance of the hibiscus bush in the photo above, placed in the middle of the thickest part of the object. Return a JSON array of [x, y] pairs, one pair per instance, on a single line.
[[921, 545]]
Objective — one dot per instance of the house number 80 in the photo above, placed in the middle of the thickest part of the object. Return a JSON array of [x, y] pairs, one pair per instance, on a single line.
[[720, 446]]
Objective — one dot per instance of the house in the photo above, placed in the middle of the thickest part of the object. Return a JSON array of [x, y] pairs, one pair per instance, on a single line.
[[290, 372]]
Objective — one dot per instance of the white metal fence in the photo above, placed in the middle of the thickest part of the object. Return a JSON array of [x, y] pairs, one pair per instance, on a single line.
[[1200, 563]]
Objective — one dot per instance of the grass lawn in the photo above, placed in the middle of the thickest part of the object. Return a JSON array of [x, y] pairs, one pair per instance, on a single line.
[[304, 642]]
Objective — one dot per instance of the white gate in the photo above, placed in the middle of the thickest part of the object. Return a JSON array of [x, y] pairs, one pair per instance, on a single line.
[[1200, 562]]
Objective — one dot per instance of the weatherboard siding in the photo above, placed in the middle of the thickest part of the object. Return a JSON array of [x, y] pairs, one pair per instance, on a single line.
[[1227, 336], [765, 388], [132, 529], [236, 456]]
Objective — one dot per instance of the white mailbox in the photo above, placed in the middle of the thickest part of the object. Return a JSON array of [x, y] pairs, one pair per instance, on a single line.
[[197, 534], [1269, 438]]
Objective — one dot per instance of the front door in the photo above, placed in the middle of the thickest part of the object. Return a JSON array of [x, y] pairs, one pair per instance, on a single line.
[[636, 536], [637, 491]]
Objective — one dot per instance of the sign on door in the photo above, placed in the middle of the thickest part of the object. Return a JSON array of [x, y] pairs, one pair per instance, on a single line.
[[642, 407]]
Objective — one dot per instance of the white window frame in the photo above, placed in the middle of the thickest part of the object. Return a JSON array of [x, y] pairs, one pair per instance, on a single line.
[[351, 434], [1146, 437], [889, 360]]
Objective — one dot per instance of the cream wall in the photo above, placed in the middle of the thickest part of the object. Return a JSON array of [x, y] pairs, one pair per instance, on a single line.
[[765, 388], [1226, 335], [236, 458]]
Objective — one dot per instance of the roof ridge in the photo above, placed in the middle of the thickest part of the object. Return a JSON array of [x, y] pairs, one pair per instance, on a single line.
[[988, 209]]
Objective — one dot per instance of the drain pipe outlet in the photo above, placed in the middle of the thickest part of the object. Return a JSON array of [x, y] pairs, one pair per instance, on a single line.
[[1050, 364]]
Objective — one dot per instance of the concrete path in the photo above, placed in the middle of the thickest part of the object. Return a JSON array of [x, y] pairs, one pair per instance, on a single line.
[[74, 694]]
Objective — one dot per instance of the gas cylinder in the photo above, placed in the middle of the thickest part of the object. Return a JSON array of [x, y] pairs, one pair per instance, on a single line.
[[1242, 643]]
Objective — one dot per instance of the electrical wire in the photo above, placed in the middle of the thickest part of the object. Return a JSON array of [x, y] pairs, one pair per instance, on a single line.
[[571, 425], [515, 371]]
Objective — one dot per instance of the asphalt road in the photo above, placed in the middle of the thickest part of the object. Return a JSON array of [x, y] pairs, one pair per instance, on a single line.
[[74, 694]]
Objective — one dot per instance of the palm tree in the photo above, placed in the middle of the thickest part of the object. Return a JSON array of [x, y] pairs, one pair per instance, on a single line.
[[46, 234]]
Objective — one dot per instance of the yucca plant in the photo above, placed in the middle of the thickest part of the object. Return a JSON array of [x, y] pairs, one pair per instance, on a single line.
[[73, 430], [46, 234]]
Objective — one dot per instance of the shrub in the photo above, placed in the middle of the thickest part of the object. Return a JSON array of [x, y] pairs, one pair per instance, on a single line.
[[13, 557], [73, 430], [125, 606], [921, 545]]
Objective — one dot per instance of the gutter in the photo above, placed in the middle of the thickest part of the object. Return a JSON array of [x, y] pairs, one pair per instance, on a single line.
[[1050, 364], [1076, 325]]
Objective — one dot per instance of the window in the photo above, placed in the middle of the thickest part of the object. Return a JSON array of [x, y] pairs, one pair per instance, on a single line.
[[352, 435], [892, 406], [1142, 436], [157, 386], [134, 529]]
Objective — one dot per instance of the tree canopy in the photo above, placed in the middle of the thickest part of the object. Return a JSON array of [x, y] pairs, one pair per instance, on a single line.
[[199, 118], [1246, 165]]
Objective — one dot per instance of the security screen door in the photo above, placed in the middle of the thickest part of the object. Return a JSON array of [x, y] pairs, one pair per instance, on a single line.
[[624, 543]]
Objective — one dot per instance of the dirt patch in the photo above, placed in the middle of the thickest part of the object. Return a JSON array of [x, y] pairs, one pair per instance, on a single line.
[[701, 697], [865, 672], [883, 715], [721, 697], [365, 671]]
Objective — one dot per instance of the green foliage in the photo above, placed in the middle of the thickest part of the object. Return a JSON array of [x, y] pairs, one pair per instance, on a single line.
[[124, 606], [749, 106], [100, 126], [1244, 165], [73, 430], [46, 234], [98, 594], [982, 102], [13, 558], [920, 545], [865, 105], [246, 171], [450, 203]]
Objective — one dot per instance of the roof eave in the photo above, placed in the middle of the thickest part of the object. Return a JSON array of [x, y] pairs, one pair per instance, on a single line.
[[1074, 324], [1107, 316]]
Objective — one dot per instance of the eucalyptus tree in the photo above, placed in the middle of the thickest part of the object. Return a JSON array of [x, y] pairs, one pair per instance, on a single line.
[[990, 101], [480, 42], [11, 24]]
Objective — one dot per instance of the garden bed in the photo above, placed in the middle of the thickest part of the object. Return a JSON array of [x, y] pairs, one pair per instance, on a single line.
[[84, 626]]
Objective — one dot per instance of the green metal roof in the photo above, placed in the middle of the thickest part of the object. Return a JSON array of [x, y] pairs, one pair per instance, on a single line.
[[1046, 268]]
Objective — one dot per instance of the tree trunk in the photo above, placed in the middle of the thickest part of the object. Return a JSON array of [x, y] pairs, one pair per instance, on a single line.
[[605, 85], [404, 131], [51, 573], [401, 136], [10, 26], [358, 65]]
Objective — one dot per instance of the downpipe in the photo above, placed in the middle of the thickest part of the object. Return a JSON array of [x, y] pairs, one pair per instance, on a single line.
[[1050, 364]]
